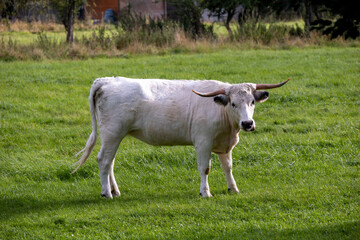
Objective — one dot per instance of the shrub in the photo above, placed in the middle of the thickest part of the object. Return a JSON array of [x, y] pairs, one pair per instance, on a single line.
[[265, 33], [134, 28]]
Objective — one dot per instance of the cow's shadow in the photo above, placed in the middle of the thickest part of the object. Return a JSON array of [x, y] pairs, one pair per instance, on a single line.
[[25, 205]]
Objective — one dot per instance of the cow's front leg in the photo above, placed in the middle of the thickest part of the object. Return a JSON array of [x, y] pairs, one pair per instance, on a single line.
[[204, 163], [226, 164]]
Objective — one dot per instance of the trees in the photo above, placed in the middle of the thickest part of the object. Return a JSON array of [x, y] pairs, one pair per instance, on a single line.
[[221, 8], [348, 22], [229, 8], [66, 12], [188, 14], [19, 9], [345, 12]]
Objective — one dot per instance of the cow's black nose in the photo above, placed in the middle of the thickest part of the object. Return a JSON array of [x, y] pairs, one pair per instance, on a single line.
[[247, 125]]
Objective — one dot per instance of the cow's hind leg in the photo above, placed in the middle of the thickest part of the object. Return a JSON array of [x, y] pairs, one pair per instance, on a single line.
[[106, 157], [114, 188], [226, 164]]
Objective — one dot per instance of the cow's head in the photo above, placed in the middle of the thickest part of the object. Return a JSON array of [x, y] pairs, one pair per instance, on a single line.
[[239, 100]]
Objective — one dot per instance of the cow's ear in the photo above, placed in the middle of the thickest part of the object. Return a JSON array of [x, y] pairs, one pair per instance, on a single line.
[[222, 99], [261, 96]]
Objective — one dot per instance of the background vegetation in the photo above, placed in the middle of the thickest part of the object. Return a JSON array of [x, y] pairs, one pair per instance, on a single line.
[[241, 24], [298, 173]]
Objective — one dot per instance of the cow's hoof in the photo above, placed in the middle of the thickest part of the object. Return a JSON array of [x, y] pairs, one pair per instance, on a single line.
[[108, 196], [233, 190], [115, 193], [206, 194]]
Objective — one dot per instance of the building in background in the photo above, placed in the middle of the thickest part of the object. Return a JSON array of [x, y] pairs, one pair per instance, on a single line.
[[152, 8]]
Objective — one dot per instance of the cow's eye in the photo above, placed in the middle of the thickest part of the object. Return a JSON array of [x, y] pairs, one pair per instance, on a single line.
[[233, 104]]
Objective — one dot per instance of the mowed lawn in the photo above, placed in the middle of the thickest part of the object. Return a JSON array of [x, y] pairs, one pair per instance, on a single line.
[[298, 173]]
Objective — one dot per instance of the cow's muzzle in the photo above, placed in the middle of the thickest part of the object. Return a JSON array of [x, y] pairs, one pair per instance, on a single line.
[[248, 125]]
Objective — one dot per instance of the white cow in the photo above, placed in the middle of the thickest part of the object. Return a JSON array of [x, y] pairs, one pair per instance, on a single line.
[[164, 112]]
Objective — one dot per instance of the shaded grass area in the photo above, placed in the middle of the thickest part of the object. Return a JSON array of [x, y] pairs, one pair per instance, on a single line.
[[298, 173]]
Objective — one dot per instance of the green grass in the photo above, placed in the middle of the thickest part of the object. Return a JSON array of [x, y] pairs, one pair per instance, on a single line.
[[298, 173], [26, 37]]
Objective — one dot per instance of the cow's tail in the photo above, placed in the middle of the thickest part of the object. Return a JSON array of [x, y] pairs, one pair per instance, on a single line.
[[90, 144]]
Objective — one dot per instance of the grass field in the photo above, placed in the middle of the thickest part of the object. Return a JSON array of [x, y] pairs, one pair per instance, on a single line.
[[25, 37], [298, 173]]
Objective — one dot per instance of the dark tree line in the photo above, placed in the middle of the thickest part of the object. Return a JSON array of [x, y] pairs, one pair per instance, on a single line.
[[317, 14], [347, 25]]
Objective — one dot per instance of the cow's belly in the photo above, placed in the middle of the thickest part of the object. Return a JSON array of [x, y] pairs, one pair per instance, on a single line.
[[161, 138], [162, 124], [161, 130]]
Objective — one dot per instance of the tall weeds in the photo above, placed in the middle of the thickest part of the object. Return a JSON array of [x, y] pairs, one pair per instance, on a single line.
[[266, 33]]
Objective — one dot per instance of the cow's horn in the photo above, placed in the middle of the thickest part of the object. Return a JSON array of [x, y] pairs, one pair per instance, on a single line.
[[210, 94], [269, 86]]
